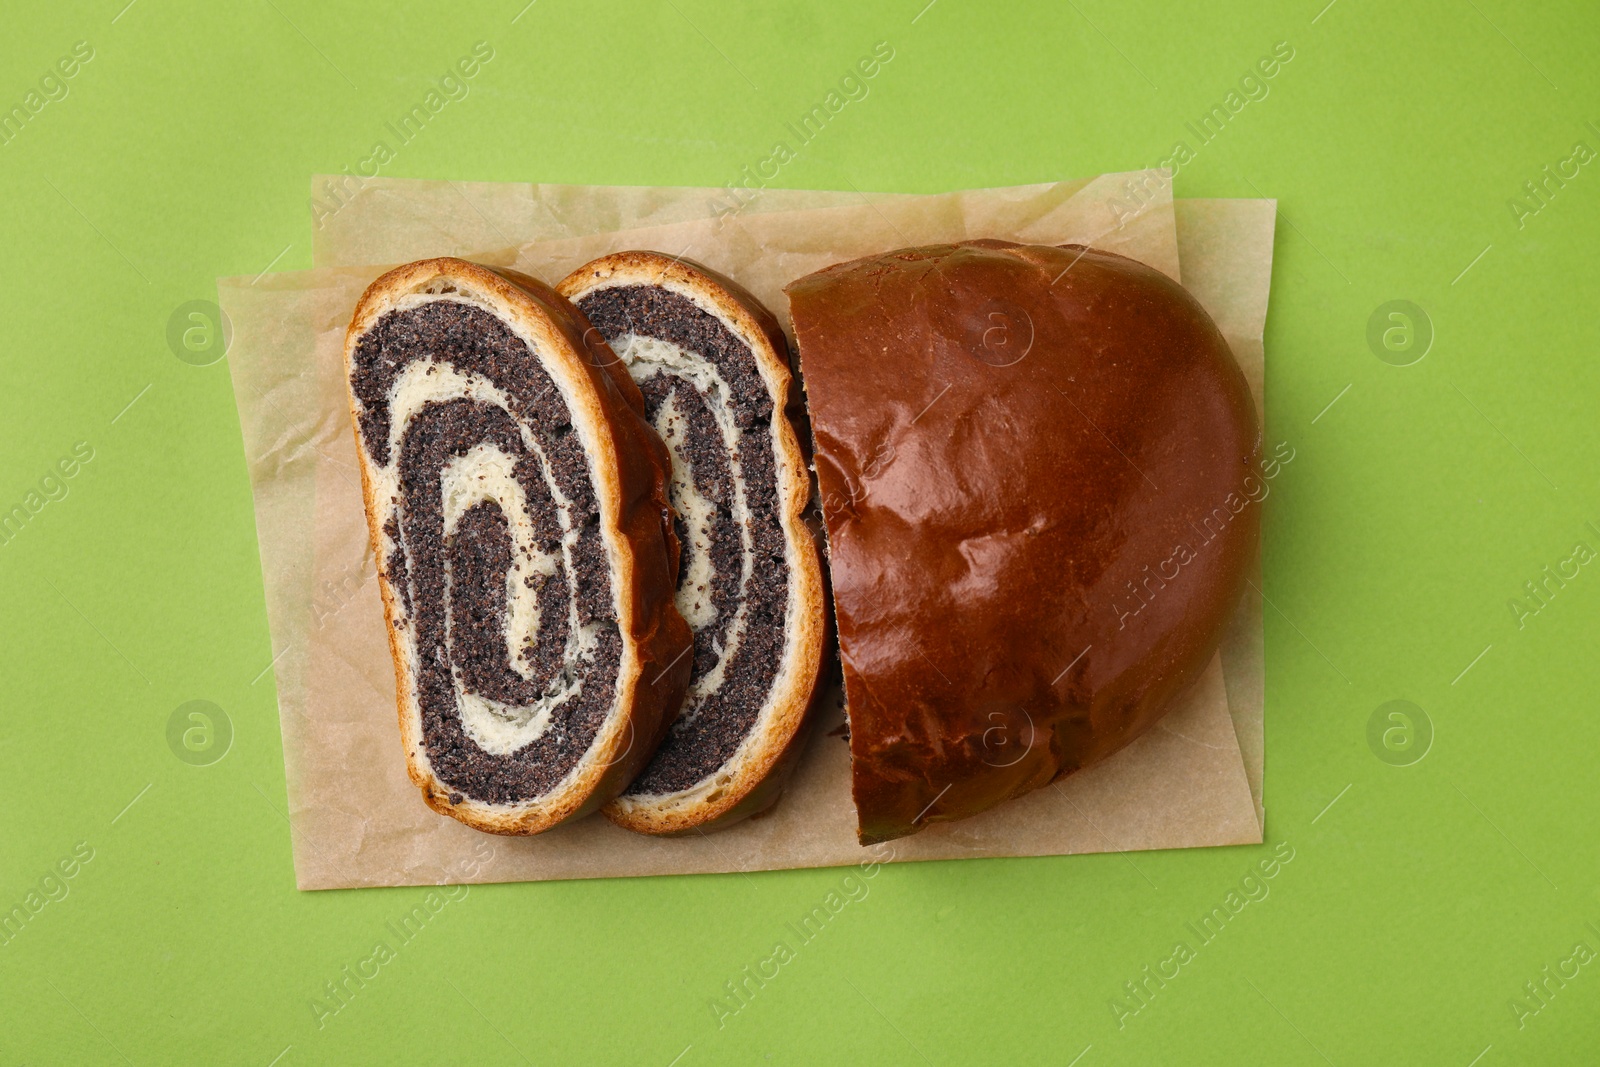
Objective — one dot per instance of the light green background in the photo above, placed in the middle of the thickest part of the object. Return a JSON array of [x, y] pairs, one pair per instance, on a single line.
[[1415, 907]]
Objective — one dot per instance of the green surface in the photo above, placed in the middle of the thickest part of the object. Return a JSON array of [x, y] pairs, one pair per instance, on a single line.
[[1415, 907]]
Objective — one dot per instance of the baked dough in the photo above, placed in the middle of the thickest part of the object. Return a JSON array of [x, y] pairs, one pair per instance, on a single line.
[[517, 507], [1036, 469], [712, 365]]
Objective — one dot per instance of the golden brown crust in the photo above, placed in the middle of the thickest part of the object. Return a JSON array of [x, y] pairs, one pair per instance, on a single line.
[[762, 764], [629, 468], [1035, 470]]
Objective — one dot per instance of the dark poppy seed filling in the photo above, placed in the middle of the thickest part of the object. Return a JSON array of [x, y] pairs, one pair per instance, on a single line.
[[733, 575], [494, 550]]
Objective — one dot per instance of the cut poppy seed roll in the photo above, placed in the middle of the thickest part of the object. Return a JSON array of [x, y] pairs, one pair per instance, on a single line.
[[1038, 467], [712, 365], [516, 501]]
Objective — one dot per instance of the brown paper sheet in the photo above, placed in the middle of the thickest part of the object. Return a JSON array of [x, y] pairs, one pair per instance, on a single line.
[[356, 819]]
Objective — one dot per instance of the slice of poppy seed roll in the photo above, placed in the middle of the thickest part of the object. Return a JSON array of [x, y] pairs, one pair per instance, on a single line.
[[712, 365], [517, 505]]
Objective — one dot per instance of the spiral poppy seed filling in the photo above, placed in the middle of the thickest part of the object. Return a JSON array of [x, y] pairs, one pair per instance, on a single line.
[[493, 548], [705, 396]]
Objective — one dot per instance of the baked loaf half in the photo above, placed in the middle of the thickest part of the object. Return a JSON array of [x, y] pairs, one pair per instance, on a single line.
[[1036, 468], [712, 365], [517, 504]]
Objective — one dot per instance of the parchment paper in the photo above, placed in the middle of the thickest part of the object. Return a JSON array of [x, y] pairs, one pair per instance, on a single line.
[[356, 818]]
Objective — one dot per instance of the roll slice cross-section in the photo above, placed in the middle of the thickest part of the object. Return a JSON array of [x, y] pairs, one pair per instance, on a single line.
[[712, 365], [516, 501]]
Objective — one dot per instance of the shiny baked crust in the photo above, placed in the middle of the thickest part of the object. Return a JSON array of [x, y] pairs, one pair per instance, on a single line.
[[1035, 466]]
